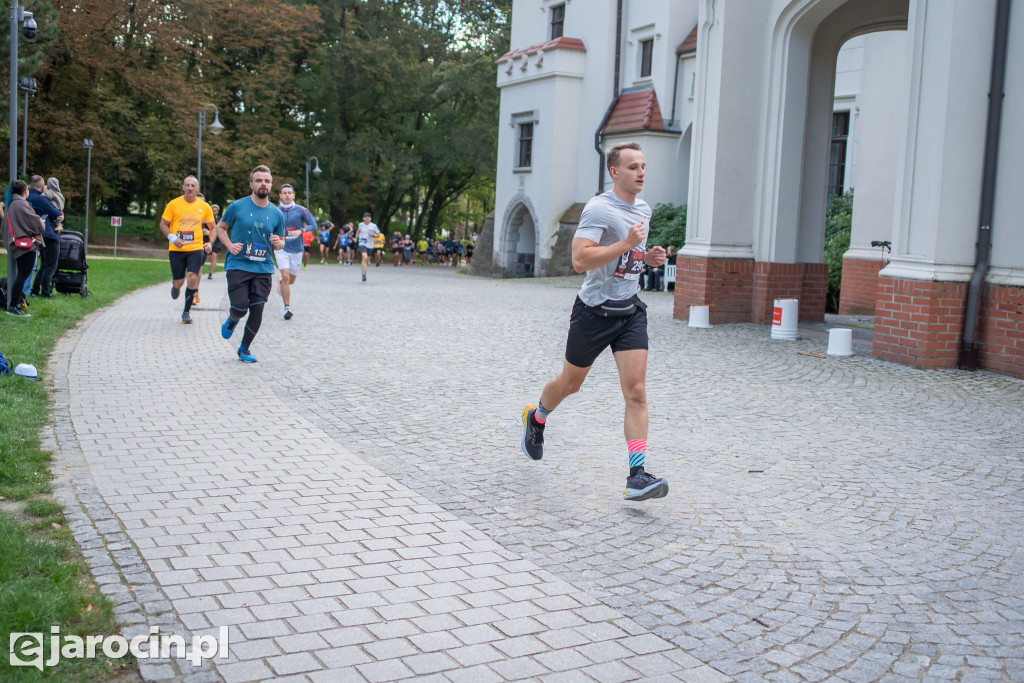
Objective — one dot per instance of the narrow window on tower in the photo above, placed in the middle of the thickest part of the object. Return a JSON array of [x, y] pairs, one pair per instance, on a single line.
[[646, 57], [525, 145], [557, 21]]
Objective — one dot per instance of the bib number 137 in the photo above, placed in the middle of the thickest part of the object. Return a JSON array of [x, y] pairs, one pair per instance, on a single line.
[[630, 265]]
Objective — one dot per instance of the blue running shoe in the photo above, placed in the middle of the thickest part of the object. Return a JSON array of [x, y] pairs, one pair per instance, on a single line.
[[533, 434], [228, 328], [643, 486], [175, 292], [245, 356]]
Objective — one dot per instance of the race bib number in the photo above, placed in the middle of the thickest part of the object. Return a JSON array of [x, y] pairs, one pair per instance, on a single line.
[[186, 237], [631, 264], [254, 251]]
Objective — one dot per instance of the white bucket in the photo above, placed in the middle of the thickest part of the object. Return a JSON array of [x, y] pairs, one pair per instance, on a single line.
[[784, 318], [699, 316], [840, 342]]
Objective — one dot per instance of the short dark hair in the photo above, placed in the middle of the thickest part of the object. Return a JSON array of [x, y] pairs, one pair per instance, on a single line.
[[36, 181], [18, 187], [259, 169], [615, 151]]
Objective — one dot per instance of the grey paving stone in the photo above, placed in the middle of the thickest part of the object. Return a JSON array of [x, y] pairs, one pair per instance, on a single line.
[[798, 497]]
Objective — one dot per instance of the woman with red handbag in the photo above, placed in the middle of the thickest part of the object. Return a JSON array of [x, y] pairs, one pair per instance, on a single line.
[[23, 229]]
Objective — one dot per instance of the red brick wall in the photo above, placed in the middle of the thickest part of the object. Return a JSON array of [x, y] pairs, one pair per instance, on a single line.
[[921, 323], [722, 284], [741, 290], [1000, 331], [859, 286]]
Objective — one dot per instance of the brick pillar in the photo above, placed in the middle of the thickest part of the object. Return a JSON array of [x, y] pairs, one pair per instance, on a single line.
[[807, 282], [859, 287], [741, 290], [1001, 330], [919, 322], [722, 284]]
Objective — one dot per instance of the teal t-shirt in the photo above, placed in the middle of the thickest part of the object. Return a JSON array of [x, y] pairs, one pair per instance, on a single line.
[[252, 226]]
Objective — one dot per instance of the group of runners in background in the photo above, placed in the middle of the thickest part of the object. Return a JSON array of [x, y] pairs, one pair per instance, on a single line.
[[610, 246], [191, 227]]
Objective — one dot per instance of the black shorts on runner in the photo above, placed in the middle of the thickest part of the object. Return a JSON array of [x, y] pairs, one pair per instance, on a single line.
[[590, 334], [363, 249], [247, 289], [182, 261], [305, 248]]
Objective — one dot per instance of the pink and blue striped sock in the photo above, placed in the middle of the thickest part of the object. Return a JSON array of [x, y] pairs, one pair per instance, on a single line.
[[637, 449]]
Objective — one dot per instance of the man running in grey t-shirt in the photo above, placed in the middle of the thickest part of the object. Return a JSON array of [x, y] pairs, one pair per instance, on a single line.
[[610, 246]]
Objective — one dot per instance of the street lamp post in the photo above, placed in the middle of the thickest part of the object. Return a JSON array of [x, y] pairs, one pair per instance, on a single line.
[[27, 84], [18, 15], [216, 128], [316, 171], [87, 143]]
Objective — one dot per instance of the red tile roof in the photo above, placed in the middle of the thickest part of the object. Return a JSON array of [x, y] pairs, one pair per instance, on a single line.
[[690, 44], [635, 111], [561, 43]]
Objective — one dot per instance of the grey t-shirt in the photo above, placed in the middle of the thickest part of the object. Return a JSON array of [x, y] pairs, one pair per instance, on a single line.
[[606, 220]]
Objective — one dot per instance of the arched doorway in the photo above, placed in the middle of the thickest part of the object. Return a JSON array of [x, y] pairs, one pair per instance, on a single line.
[[519, 242]]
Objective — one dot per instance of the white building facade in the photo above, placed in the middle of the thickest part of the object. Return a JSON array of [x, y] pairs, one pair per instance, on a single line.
[[751, 112]]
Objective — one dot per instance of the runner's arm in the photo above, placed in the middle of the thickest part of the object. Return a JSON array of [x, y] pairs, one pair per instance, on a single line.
[[655, 256], [588, 254], [222, 233], [165, 228]]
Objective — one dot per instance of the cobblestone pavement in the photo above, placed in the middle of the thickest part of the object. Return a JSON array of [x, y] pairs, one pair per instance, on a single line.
[[356, 507]]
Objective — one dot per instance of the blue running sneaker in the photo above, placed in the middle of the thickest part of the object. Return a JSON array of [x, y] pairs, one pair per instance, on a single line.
[[175, 292], [533, 434], [643, 486], [228, 328], [245, 356]]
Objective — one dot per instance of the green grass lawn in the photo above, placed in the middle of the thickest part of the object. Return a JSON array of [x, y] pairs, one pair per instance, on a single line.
[[43, 578]]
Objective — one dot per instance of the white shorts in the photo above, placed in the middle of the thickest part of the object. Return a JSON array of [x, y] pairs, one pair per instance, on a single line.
[[288, 261]]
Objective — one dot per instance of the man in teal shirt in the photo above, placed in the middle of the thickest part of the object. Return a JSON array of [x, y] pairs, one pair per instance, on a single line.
[[256, 226]]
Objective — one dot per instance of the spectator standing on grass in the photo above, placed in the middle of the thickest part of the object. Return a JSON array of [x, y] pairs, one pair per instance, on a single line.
[[54, 194], [21, 221], [50, 250]]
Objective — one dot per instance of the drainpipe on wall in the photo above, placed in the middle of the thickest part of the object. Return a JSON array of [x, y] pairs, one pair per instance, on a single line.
[[968, 347], [598, 135]]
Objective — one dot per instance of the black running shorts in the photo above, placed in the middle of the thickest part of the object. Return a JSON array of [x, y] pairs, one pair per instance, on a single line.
[[247, 289], [590, 334], [182, 261]]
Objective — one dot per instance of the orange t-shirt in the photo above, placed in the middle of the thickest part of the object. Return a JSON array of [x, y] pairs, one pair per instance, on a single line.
[[186, 219], [307, 237]]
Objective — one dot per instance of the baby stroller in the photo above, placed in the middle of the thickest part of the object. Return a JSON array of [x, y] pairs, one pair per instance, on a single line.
[[70, 277]]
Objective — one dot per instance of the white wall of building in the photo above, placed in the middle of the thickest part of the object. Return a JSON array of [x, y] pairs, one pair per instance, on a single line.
[[882, 129]]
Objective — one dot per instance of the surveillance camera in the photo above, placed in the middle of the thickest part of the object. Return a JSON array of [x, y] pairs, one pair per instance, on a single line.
[[29, 27]]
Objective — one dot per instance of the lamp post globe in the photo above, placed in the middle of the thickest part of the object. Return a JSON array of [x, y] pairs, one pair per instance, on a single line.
[[316, 171], [216, 128]]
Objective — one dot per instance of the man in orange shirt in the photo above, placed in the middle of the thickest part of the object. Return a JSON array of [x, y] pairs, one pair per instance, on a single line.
[[182, 224]]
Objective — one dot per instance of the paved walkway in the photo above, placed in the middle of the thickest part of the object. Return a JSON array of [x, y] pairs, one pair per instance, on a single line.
[[355, 506]]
